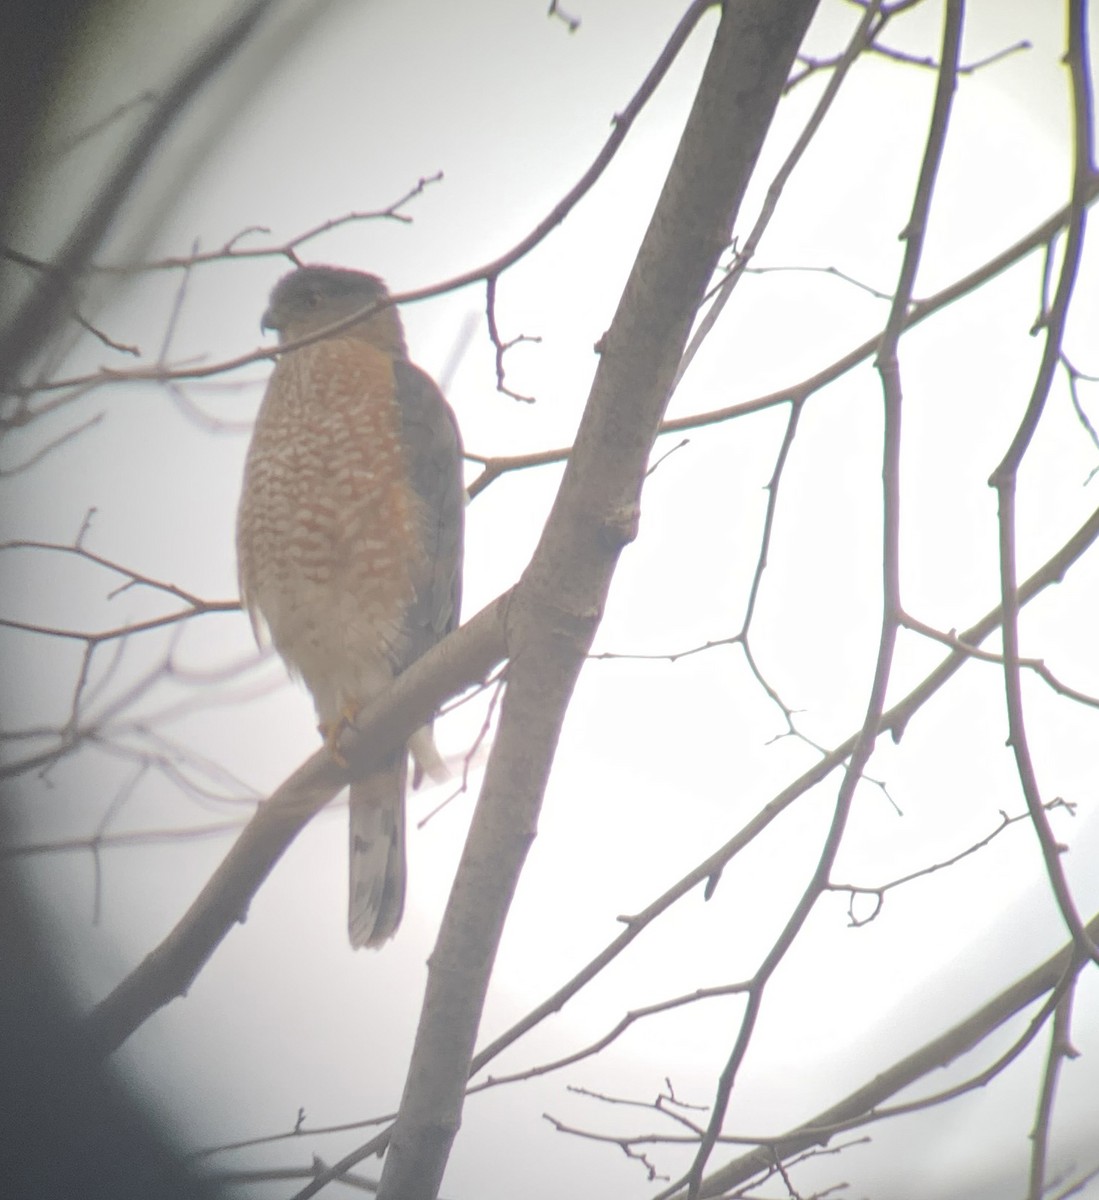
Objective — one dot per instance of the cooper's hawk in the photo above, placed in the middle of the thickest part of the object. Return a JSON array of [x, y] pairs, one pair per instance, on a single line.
[[349, 539]]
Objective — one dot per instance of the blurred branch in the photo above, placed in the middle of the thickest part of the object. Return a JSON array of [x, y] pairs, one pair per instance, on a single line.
[[571, 22], [133, 837], [77, 730], [68, 144], [116, 729], [362, 1183], [78, 550], [53, 444], [104, 338], [32, 324], [96, 637], [623, 121], [1076, 1187]]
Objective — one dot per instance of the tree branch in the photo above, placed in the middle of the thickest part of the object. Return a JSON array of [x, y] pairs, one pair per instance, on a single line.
[[33, 322], [891, 599], [894, 720], [1005, 477], [482, 274], [459, 661], [1055, 974], [918, 312], [558, 603]]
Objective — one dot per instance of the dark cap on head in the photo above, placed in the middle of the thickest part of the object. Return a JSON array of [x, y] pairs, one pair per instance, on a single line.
[[314, 292]]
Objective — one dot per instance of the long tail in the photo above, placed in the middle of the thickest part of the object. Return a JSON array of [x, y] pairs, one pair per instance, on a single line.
[[377, 884]]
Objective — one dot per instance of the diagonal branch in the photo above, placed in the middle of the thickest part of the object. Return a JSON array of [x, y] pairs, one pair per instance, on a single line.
[[918, 312], [1060, 1049], [867, 736], [485, 273], [462, 659], [894, 720], [557, 605], [1055, 975]]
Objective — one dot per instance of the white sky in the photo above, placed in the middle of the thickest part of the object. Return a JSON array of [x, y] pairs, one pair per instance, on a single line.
[[659, 763]]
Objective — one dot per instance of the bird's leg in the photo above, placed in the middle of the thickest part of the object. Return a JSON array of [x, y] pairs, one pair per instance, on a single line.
[[331, 733]]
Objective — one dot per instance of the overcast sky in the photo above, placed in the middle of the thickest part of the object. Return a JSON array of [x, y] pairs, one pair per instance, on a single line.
[[339, 107]]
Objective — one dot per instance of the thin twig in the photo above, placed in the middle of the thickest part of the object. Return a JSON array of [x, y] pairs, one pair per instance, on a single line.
[[920, 310], [493, 270]]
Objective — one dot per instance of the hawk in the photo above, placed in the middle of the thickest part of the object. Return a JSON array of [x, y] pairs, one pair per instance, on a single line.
[[349, 540]]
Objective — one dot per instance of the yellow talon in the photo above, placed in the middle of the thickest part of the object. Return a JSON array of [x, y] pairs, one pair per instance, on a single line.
[[331, 733]]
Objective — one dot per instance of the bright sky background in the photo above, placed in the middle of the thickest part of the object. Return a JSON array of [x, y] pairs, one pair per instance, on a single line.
[[659, 762]]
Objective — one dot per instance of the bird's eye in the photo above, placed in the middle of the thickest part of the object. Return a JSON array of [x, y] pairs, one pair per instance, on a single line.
[[311, 299]]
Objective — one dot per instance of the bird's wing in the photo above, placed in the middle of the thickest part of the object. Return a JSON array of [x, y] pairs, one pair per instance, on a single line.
[[433, 454]]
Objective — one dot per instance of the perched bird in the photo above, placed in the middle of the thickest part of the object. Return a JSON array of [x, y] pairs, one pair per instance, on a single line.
[[349, 540]]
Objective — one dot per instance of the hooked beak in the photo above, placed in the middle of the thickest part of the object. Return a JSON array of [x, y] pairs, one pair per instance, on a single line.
[[268, 321]]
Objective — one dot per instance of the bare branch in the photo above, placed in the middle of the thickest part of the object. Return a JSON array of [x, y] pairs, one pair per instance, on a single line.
[[1075, 377], [1053, 976], [915, 60], [626, 1144], [554, 612], [891, 601], [135, 837], [1031, 664], [1005, 477], [596, 1047], [555, 10], [97, 637], [918, 312], [231, 249], [501, 347], [285, 1174], [493, 270], [1060, 1048], [1077, 1185], [52, 445], [104, 339], [66, 145], [872, 21], [459, 660], [32, 324], [132, 578], [878, 891]]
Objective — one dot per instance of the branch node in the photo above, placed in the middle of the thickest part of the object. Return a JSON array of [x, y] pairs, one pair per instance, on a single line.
[[620, 527]]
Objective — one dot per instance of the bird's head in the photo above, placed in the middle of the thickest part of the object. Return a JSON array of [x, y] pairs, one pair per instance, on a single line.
[[313, 297]]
